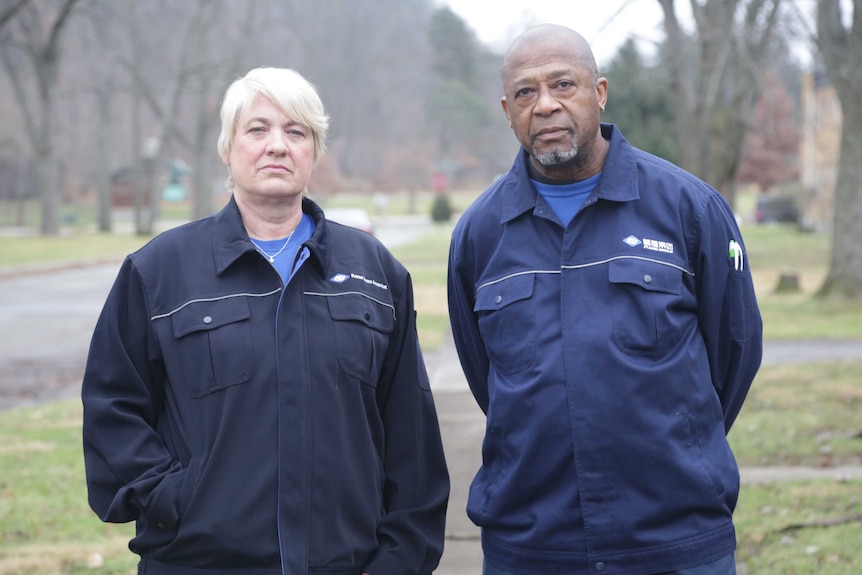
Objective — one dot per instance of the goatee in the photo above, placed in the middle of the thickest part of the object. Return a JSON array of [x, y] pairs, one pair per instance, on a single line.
[[556, 157]]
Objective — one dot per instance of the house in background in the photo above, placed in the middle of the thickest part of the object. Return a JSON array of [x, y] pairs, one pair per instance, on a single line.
[[820, 145]]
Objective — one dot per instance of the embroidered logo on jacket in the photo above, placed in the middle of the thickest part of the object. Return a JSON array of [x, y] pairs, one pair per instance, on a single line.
[[658, 246], [654, 245], [372, 282], [341, 278]]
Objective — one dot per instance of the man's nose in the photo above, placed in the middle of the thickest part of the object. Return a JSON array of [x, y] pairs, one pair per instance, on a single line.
[[546, 103]]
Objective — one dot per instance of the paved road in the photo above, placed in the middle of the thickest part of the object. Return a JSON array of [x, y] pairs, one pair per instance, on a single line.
[[46, 317], [45, 324]]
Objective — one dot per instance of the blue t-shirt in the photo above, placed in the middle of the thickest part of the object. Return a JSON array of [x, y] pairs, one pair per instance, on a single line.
[[282, 252], [567, 199]]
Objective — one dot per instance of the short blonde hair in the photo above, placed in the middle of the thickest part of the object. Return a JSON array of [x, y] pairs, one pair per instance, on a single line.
[[295, 96]]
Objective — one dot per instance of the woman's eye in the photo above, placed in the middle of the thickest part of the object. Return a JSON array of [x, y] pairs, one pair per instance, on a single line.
[[256, 130]]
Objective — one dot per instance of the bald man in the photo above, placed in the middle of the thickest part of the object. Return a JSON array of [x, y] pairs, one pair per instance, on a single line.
[[605, 317]]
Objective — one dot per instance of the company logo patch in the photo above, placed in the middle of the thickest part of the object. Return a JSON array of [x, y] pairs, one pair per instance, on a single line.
[[372, 282], [632, 241], [658, 246], [341, 278]]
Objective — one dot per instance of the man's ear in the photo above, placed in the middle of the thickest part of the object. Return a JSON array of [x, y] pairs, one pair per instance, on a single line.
[[602, 92], [505, 106]]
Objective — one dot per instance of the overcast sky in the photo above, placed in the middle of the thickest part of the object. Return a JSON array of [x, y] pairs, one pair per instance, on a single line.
[[604, 23]]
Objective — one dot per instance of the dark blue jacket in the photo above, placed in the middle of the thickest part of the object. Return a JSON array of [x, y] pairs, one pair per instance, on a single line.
[[610, 357], [256, 428]]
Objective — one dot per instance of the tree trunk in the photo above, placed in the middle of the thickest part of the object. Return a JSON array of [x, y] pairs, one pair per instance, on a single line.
[[102, 169], [202, 189], [841, 49], [45, 168], [844, 279], [714, 90], [43, 56]]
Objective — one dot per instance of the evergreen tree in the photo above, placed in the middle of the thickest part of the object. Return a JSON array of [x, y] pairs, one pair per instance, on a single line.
[[639, 102]]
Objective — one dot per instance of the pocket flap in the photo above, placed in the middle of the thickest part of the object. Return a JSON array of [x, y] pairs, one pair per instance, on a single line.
[[652, 276], [504, 292], [207, 315], [356, 307]]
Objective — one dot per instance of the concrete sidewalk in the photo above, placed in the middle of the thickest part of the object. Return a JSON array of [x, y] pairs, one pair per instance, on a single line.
[[463, 424]]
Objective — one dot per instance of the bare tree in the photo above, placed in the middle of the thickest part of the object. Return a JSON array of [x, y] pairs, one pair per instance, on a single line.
[[31, 55], [98, 47], [369, 59], [8, 12], [173, 72], [841, 48], [135, 72], [716, 93], [222, 53]]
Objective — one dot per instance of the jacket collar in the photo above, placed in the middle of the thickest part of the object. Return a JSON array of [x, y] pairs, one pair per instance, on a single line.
[[618, 183], [231, 239]]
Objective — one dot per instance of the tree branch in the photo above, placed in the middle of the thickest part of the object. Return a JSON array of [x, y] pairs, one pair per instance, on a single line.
[[10, 12], [829, 522], [59, 24]]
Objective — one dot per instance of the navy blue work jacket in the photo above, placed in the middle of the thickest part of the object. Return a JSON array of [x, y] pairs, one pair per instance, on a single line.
[[253, 427], [611, 357]]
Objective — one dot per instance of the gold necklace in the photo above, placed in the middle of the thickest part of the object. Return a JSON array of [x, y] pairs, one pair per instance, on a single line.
[[271, 257]]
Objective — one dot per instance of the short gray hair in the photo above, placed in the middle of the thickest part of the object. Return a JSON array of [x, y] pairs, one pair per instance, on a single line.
[[295, 96]]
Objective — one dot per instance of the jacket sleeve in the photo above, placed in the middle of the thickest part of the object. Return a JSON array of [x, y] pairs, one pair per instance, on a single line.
[[416, 489], [727, 308], [465, 328], [130, 472]]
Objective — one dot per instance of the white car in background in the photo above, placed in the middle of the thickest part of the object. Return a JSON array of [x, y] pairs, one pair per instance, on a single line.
[[358, 218]]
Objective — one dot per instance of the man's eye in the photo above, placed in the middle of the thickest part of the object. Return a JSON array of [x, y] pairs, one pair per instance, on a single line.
[[565, 84], [524, 92]]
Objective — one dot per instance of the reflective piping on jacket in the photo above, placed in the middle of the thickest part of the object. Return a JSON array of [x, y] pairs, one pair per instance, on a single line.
[[170, 313], [523, 273], [581, 266], [660, 262], [383, 303]]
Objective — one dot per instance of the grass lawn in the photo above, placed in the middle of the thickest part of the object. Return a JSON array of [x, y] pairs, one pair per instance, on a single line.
[[24, 251], [46, 526], [808, 414], [778, 528], [426, 259]]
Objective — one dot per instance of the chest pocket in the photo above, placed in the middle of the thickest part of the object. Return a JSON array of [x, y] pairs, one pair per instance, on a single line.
[[646, 306], [215, 344], [362, 329], [507, 322]]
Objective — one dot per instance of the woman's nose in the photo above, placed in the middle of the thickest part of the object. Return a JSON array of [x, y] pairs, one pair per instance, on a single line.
[[277, 143]]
